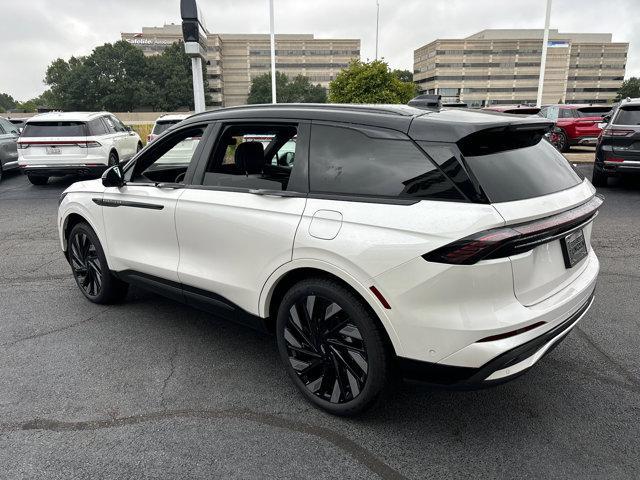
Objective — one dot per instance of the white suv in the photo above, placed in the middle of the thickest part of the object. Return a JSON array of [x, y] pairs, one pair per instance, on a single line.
[[60, 143], [163, 123], [449, 246]]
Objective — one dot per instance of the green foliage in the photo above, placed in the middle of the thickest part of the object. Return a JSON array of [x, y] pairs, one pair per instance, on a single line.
[[369, 82], [403, 75], [629, 88], [298, 90], [118, 77], [6, 102]]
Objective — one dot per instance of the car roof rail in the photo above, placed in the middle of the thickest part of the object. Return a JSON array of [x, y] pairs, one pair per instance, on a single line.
[[426, 102]]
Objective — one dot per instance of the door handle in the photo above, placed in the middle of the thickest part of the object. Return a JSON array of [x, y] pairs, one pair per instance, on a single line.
[[275, 193]]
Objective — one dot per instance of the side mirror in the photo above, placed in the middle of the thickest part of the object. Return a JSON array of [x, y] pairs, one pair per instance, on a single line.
[[112, 177], [128, 127]]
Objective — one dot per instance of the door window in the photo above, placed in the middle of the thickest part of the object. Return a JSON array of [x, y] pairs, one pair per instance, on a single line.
[[373, 162], [118, 125], [552, 113], [567, 113], [111, 128], [253, 157], [168, 160]]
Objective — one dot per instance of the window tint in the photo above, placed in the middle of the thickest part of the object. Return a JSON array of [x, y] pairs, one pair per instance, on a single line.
[[348, 161], [97, 127], [254, 157], [161, 126], [55, 129], [628, 116], [522, 173], [168, 160]]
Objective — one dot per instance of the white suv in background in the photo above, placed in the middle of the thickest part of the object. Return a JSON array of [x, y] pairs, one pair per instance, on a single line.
[[447, 245], [164, 123], [86, 143]]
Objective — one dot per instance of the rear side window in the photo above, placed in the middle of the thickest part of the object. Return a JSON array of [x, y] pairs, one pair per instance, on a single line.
[[522, 173], [162, 126], [97, 127], [55, 129], [372, 162], [628, 116]]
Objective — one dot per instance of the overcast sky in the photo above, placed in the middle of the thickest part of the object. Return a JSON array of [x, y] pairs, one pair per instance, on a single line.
[[35, 32]]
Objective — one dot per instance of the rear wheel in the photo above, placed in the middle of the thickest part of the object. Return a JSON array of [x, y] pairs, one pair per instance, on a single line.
[[38, 179], [332, 347], [599, 179], [563, 142], [90, 268]]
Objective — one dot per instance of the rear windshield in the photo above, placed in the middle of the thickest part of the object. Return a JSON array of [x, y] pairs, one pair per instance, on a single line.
[[54, 129], [628, 116], [593, 111], [163, 125], [523, 173]]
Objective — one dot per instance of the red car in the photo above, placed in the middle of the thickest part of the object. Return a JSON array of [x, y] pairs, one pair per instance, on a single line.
[[578, 124]]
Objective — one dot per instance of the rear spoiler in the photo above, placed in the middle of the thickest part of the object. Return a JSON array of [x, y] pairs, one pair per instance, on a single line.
[[507, 137]]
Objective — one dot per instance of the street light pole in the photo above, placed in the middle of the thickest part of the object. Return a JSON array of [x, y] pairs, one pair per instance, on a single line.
[[377, 25], [543, 60], [273, 55]]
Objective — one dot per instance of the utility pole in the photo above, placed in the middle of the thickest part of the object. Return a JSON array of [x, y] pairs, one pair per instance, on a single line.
[[273, 55], [377, 25], [543, 60]]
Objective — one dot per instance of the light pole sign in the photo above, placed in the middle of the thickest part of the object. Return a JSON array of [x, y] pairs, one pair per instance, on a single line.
[[194, 33]]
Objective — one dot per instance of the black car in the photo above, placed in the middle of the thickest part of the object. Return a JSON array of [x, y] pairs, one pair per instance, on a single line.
[[618, 147]]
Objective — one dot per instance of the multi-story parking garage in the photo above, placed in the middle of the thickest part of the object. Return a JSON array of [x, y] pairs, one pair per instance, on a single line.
[[235, 59], [503, 66]]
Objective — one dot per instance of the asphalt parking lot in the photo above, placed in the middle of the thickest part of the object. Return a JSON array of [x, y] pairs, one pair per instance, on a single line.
[[152, 388]]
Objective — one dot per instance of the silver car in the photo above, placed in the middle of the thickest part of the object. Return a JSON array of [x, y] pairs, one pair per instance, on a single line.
[[9, 134]]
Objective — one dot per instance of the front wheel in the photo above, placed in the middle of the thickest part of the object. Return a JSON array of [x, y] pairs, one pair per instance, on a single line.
[[38, 179], [90, 268], [333, 348]]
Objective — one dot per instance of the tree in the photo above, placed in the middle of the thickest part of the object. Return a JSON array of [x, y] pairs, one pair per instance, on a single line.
[[118, 77], [403, 75], [7, 102], [371, 82], [298, 90], [629, 88]]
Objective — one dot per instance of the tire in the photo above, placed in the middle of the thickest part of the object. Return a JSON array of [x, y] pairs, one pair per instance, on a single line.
[[90, 269], [599, 179], [563, 142], [113, 159], [343, 371], [38, 179]]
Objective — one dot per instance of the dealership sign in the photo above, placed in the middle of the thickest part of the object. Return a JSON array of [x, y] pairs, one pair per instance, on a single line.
[[149, 41]]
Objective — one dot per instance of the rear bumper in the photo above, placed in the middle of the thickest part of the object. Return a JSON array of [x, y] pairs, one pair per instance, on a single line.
[[61, 170], [500, 369]]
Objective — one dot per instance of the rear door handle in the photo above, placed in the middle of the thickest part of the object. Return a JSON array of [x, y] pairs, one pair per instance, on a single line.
[[276, 193]]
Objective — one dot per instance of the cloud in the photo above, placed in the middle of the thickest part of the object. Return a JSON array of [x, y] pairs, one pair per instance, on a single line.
[[36, 32]]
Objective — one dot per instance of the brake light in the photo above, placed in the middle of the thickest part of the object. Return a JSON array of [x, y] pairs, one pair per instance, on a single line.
[[91, 144], [506, 241], [614, 159], [149, 138], [616, 132]]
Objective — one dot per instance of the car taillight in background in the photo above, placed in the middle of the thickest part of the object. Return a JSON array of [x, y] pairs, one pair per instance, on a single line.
[[89, 144], [506, 241]]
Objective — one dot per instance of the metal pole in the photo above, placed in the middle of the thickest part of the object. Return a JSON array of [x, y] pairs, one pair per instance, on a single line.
[[377, 25], [543, 60], [198, 84], [273, 55]]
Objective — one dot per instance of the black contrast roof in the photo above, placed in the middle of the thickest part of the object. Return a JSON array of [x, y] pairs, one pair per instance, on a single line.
[[444, 125]]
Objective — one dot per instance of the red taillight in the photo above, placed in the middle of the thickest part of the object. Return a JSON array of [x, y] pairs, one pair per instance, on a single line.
[[89, 144], [514, 239], [512, 333], [616, 132], [614, 159], [149, 138]]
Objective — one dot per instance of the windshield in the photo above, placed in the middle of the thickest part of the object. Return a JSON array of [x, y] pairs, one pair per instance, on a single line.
[[55, 129]]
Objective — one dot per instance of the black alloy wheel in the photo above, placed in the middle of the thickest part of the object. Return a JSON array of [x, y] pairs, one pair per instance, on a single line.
[[90, 268], [85, 264], [332, 346], [563, 142]]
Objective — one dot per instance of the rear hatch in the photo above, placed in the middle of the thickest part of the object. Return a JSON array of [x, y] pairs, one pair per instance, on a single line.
[[53, 143], [623, 135], [586, 125], [542, 198]]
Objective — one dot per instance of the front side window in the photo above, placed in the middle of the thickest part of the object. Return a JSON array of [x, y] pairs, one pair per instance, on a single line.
[[167, 161], [372, 162], [253, 157]]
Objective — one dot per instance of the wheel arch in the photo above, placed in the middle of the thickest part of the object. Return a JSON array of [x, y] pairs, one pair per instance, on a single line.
[[287, 275], [70, 220]]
